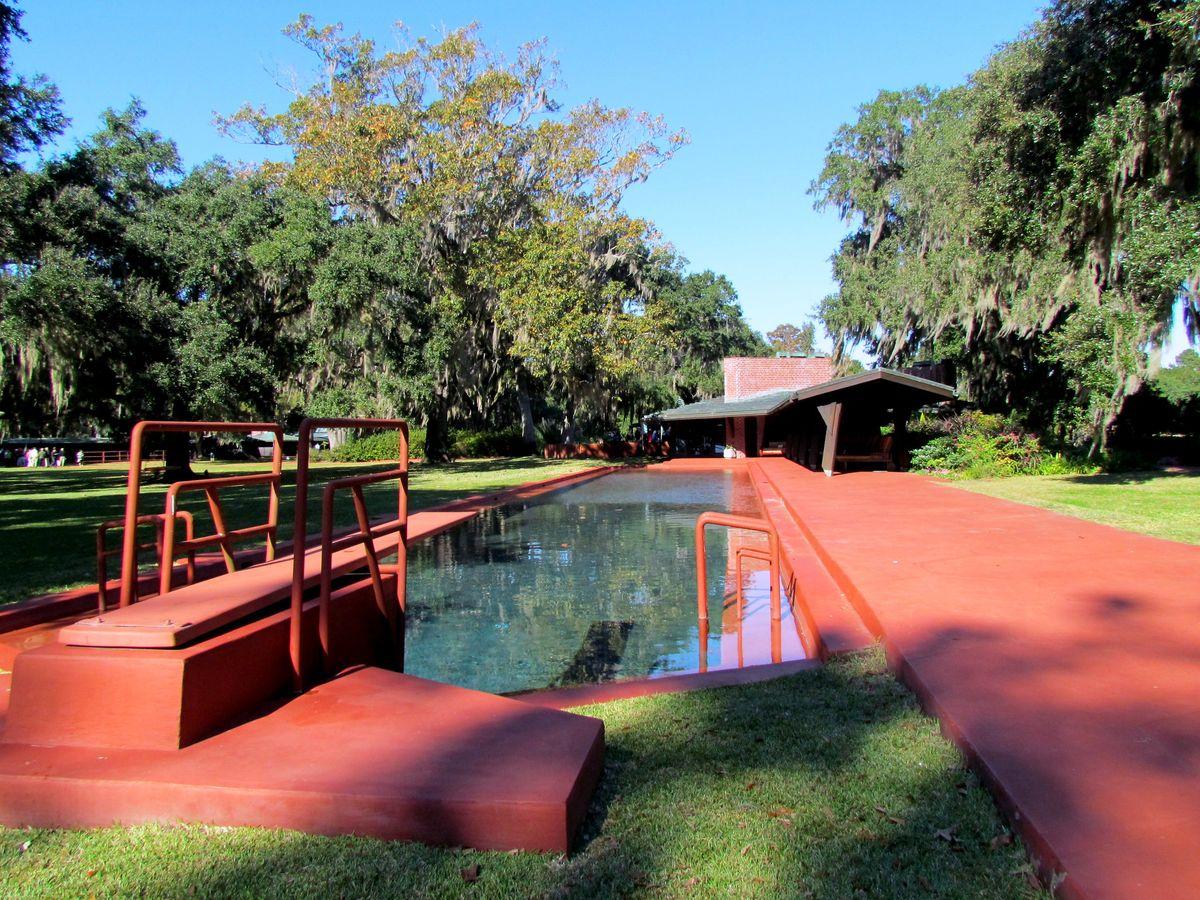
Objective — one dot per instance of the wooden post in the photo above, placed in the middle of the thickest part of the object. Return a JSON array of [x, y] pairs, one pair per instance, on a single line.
[[832, 414]]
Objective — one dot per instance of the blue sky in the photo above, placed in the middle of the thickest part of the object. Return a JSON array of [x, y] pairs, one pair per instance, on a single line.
[[760, 87]]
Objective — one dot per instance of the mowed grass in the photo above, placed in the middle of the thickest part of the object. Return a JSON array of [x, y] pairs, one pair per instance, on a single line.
[[1164, 504], [828, 784], [48, 517]]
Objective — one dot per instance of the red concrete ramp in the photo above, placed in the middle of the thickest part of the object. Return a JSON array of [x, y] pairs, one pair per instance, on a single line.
[[372, 752]]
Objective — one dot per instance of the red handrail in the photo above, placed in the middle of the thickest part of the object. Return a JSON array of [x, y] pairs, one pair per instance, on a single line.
[[223, 535], [776, 618], [746, 523], [103, 553], [731, 521], [134, 483], [366, 535]]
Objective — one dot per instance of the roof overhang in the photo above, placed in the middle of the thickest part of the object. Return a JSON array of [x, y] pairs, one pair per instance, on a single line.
[[829, 391]]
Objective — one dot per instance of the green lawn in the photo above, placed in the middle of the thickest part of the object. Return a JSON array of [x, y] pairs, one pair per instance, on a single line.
[[48, 517], [1160, 503], [827, 784]]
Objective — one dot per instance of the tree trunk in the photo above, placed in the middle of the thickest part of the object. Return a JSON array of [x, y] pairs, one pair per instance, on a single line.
[[437, 436], [569, 421], [177, 447], [337, 437], [528, 430]]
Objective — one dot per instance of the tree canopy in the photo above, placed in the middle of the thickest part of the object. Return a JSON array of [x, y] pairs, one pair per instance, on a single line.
[[1036, 226], [787, 338], [445, 244]]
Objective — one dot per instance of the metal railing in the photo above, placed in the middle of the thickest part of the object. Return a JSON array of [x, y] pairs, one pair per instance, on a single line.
[[223, 536], [129, 574], [103, 552], [366, 535], [770, 556]]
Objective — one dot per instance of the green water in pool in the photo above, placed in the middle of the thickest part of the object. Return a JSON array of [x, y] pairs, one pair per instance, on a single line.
[[590, 583]]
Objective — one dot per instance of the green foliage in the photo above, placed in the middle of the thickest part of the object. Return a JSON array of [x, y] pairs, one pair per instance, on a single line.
[[481, 444], [978, 445], [482, 276], [1035, 226], [787, 338], [378, 446], [1180, 384], [30, 111]]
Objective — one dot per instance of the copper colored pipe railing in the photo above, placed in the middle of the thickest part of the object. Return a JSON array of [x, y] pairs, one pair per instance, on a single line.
[[103, 552], [366, 535], [134, 483], [224, 536], [746, 523], [776, 612]]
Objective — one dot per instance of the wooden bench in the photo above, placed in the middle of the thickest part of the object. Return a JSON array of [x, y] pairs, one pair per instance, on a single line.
[[881, 453]]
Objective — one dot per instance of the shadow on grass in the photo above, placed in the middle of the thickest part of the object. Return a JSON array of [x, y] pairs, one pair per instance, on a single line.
[[1143, 476], [827, 784]]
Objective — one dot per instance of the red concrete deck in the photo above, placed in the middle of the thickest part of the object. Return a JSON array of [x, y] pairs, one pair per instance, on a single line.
[[1063, 656]]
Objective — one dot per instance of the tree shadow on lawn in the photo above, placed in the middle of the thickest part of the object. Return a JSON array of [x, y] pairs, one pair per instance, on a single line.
[[1144, 476], [826, 784]]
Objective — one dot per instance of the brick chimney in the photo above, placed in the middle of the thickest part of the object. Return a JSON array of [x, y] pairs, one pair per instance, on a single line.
[[749, 376]]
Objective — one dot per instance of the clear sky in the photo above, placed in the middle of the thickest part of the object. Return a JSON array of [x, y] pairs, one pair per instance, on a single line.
[[760, 87]]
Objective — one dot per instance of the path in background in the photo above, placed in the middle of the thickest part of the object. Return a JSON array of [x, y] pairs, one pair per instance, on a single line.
[[1064, 656]]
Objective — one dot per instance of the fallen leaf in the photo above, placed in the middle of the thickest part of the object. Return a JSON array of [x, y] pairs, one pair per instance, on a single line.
[[780, 811], [895, 820], [91, 873], [1001, 840], [471, 873], [946, 834], [751, 785], [745, 850], [924, 883]]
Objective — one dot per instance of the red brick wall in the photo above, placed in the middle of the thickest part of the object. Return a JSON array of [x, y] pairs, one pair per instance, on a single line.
[[746, 376]]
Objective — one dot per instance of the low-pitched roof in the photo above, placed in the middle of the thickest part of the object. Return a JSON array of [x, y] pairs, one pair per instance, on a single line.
[[718, 408], [766, 404]]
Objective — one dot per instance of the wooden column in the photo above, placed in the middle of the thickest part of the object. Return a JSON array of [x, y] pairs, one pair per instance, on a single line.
[[832, 414]]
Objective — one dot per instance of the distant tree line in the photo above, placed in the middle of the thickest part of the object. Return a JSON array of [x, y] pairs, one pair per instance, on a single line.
[[445, 244], [1035, 226]]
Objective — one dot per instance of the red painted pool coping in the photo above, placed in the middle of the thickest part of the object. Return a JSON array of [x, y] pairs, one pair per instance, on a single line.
[[1062, 656], [832, 624]]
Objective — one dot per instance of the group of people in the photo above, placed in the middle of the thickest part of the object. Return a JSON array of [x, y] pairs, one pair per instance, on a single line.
[[40, 457]]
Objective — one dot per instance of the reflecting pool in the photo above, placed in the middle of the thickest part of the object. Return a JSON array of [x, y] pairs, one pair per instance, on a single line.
[[590, 583]]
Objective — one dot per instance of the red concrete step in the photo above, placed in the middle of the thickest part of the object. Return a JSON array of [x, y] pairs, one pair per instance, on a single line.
[[371, 753], [829, 616]]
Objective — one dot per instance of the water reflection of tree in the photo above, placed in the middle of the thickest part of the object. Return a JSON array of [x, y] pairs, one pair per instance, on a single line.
[[506, 601]]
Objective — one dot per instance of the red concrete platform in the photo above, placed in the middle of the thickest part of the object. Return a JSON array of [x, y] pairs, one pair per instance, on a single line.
[[156, 713], [1063, 656], [372, 752]]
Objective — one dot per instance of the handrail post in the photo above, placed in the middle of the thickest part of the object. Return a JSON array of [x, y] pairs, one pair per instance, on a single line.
[[133, 486], [366, 535]]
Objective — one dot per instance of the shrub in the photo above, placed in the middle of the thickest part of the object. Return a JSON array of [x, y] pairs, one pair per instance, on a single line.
[[978, 445], [378, 446], [475, 444]]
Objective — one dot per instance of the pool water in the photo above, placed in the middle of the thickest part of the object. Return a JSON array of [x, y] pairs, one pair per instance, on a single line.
[[590, 583]]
